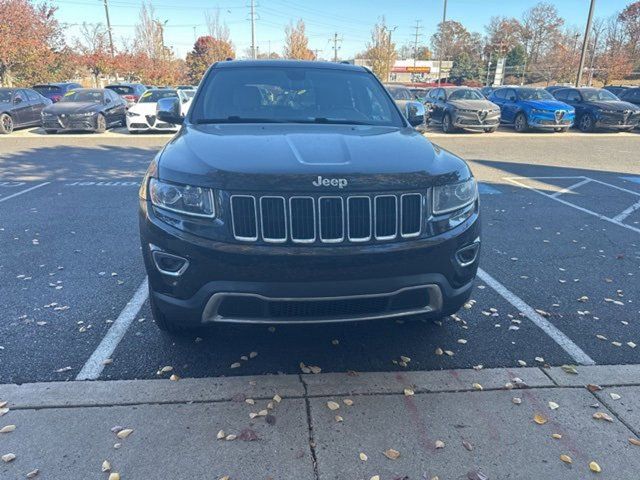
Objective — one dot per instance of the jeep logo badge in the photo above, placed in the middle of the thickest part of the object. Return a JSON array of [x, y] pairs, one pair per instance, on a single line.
[[330, 182]]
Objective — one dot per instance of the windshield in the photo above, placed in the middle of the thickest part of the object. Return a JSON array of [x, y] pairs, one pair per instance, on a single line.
[[94, 96], [465, 94], [598, 96], [293, 95], [121, 89], [5, 96], [534, 94], [152, 96], [399, 93], [47, 89]]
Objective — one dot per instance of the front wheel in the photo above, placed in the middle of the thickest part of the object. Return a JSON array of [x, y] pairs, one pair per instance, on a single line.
[[586, 123], [101, 124], [521, 124], [6, 124], [447, 124]]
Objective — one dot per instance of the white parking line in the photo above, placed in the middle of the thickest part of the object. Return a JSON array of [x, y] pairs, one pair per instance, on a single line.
[[577, 207], [571, 188], [95, 364], [4, 199], [624, 214], [547, 327]]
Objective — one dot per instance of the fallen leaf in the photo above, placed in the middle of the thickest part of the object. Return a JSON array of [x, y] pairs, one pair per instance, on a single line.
[[634, 441], [106, 466], [467, 445], [363, 457], [592, 387], [408, 392], [375, 477], [221, 435], [557, 436], [64, 369], [235, 365], [263, 413], [250, 401], [566, 458], [553, 405], [174, 378], [277, 398], [165, 369], [348, 402], [540, 419], [333, 405], [7, 429], [33, 473], [253, 354], [439, 351], [477, 386], [405, 359], [315, 370], [516, 400], [439, 444], [339, 419], [230, 438], [602, 416], [9, 457], [391, 454], [594, 467], [614, 396], [124, 433], [570, 369]]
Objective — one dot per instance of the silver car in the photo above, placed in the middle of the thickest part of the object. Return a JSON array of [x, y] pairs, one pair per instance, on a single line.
[[462, 107]]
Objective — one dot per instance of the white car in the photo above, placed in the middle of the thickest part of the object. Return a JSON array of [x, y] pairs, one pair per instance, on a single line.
[[185, 95], [141, 117]]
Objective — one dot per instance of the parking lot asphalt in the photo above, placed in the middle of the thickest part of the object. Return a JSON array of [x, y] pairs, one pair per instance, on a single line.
[[559, 281]]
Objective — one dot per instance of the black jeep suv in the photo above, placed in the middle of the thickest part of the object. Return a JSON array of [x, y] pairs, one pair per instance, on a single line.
[[298, 192]]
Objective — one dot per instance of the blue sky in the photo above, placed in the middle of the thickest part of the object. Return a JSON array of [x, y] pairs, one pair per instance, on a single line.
[[351, 19]]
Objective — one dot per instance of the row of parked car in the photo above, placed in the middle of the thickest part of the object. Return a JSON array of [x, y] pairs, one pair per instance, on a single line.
[[60, 107], [555, 108]]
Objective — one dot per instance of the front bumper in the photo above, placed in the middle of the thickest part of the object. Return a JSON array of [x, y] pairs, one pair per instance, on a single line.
[[549, 121], [475, 122], [140, 124], [308, 284], [87, 123]]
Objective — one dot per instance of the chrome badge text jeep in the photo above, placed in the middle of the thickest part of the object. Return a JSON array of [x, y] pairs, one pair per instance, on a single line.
[[330, 182]]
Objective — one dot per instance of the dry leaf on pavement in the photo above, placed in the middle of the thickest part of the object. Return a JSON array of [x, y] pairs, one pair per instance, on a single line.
[[391, 454], [540, 419], [333, 405], [33, 473], [592, 387], [363, 457], [557, 436], [221, 435], [106, 466], [124, 433], [439, 444], [339, 418], [348, 402], [566, 458], [553, 405], [408, 392], [9, 457], [570, 369], [602, 416], [467, 445], [634, 441], [7, 429], [594, 467]]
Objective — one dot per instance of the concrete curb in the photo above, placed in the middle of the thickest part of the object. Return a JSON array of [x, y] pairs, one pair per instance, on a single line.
[[224, 389]]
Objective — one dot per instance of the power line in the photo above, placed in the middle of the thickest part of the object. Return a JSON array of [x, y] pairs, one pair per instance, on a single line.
[[335, 41]]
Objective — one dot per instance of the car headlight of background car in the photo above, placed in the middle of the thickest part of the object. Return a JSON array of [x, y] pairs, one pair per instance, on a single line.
[[449, 198], [85, 114], [132, 114], [539, 111], [185, 199]]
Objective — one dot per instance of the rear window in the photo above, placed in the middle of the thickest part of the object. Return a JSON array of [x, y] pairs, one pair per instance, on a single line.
[[94, 96], [122, 89], [399, 93], [43, 89], [293, 95]]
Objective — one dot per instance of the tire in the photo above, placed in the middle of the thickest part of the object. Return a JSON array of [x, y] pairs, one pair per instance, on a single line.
[[6, 124], [50, 131], [520, 123], [586, 123], [163, 322], [101, 124], [447, 126], [490, 130]]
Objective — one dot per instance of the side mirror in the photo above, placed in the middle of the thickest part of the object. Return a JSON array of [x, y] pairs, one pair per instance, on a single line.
[[107, 100], [168, 110], [17, 100], [415, 113]]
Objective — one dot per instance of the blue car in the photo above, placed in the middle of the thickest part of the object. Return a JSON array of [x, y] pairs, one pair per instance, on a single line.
[[526, 108]]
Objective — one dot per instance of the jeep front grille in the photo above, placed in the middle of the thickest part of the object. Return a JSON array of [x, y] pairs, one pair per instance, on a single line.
[[326, 219]]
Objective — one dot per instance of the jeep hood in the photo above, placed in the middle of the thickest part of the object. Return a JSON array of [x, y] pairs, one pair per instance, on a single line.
[[289, 157]]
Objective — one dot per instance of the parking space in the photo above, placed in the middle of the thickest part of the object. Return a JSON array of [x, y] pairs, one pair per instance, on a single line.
[[558, 282]]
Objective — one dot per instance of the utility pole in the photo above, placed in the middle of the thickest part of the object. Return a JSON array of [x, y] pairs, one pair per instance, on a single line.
[[335, 46], [444, 21], [315, 52], [488, 67], [389, 52], [593, 56], [253, 29], [418, 27], [195, 36], [585, 43], [106, 11]]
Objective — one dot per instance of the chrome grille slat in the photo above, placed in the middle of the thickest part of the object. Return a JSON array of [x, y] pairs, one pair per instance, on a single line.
[[307, 219]]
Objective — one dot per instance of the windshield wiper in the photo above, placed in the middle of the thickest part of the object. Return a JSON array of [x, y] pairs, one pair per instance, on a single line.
[[337, 121]]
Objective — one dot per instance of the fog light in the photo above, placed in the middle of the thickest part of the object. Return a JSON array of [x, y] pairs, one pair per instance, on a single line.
[[167, 263], [467, 255]]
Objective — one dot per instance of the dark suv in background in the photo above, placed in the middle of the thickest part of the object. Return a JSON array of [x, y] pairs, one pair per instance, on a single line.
[[298, 192], [55, 91], [129, 92]]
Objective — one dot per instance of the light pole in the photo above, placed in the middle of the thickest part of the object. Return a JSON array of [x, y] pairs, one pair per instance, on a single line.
[[389, 53], [585, 43], [444, 20]]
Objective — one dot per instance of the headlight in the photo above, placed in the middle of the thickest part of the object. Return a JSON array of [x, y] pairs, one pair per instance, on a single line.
[[195, 201], [538, 111], [85, 114], [131, 114], [448, 198], [466, 110]]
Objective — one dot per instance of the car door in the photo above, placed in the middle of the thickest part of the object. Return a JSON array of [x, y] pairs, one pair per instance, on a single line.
[[429, 102], [21, 109], [109, 107], [36, 105], [120, 108], [510, 106], [573, 98]]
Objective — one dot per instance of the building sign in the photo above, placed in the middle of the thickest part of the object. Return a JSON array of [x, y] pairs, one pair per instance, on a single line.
[[497, 80], [411, 69]]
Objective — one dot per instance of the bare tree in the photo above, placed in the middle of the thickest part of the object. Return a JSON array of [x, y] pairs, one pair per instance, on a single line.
[[217, 29], [296, 42], [148, 33]]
